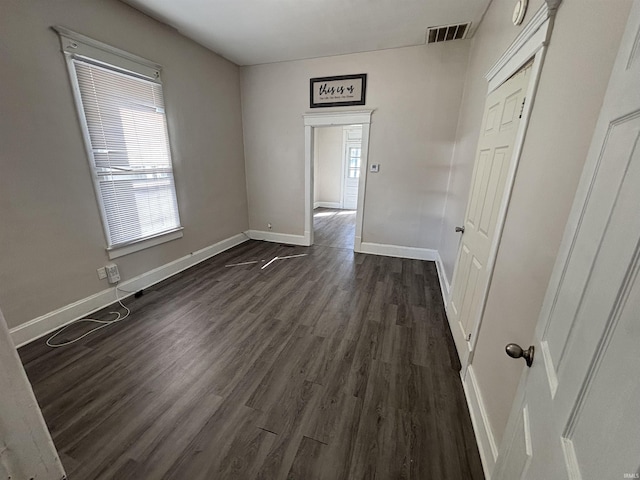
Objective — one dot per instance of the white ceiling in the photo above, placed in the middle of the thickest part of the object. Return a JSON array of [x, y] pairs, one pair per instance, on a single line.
[[250, 32]]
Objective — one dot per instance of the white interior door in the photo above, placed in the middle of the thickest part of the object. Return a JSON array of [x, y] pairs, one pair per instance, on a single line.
[[351, 170], [577, 413], [493, 159]]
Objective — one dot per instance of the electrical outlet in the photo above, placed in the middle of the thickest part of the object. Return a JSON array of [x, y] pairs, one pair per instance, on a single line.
[[112, 273], [102, 273], [269, 226]]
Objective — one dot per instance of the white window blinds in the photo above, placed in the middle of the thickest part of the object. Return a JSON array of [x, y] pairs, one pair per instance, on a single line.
[[130, 154]]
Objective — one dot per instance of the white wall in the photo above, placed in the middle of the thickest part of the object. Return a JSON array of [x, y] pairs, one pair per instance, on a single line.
[[570, 94], [328, 164], [316, 152], [51, 235], [415, 91]]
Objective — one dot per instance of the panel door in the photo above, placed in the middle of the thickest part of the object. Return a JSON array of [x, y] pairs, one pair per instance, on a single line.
[[493, 159], [351, 170], [577, 413], [352, 176]]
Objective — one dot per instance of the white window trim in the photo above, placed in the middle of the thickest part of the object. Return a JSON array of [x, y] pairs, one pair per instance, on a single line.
[[136, 246], [73, 44], [77, 44]]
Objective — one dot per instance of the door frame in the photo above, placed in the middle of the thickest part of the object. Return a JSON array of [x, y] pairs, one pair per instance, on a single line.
[[26, 447], [529, 45], [328, 119]]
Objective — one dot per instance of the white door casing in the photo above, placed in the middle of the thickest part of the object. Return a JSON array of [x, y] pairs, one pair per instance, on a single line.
[[498, 133], [577, 411], [352, 150], [326, 119]]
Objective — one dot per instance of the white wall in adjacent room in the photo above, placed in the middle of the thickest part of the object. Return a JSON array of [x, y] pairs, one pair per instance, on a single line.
[[328, 164]]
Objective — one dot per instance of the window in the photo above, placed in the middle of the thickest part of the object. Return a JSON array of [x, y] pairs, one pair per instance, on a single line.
[[355, 154], [123, 116]]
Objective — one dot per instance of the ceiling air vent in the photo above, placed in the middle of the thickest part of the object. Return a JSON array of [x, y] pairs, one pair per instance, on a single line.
[[445, 33]]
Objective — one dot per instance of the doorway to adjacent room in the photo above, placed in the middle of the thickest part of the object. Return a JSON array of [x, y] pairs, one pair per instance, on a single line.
[[337, 167], [344, 195]]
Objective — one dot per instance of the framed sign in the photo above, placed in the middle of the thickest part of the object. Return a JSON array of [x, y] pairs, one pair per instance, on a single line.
[[338, 91]]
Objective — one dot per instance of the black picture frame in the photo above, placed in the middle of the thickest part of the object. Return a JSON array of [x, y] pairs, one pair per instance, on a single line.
[[329, 91]]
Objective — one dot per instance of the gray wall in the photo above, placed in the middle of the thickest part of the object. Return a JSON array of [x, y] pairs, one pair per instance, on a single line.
[[51, 236], [416, 93], [570, 94]]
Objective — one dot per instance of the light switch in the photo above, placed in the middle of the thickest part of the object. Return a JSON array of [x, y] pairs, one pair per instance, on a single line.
[[374, 168]]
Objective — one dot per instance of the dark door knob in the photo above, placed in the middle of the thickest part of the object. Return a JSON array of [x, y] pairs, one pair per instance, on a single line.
[[460, 229], [515, 351]]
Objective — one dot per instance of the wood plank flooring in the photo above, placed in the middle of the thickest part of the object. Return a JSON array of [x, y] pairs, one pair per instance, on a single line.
[[331, 366], [334, 227]]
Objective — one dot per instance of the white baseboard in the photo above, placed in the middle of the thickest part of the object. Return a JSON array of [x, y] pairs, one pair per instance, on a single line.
[[38, 327], [445, 286], [398, 251], [481, 426], [357, 244], [304, 240], [327, 205]]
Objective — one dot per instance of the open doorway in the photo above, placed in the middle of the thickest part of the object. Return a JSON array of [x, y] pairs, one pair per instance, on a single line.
[[337, 166], [353, 170]]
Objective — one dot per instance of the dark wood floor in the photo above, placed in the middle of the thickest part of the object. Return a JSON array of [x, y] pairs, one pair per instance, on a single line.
[[331, 366], [334, 227]]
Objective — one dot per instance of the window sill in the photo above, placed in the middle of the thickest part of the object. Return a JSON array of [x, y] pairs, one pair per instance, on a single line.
[[116, 252]]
